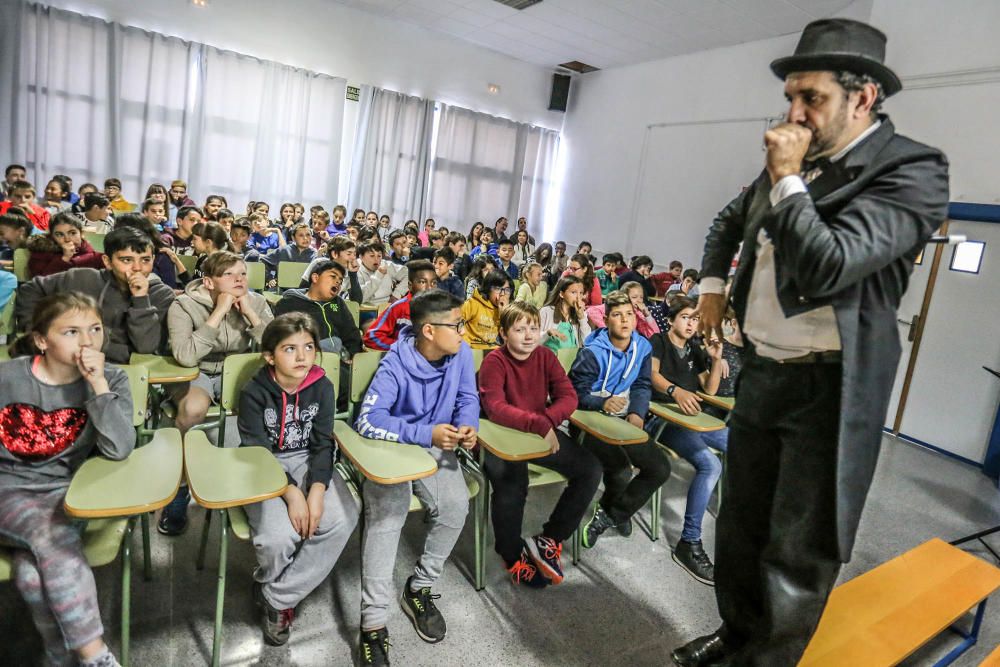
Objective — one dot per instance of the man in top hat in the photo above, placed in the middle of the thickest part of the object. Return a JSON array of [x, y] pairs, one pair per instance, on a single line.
[[830, 230]]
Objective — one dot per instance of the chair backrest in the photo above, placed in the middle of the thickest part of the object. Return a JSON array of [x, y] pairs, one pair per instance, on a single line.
[[21, 257], [188, 261], [567, 356], [7, 316], [95, 240], [255, 276], [355, 309], [238, 369], [477, 358], [138, 384], [363, 367], [290, 274]]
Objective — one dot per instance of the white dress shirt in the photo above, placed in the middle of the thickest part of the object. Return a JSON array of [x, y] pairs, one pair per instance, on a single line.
[[773, 334]]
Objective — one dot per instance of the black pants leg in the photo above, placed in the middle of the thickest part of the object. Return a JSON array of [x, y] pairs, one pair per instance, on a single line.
[[776, 537], [509, 480], [624, 494]]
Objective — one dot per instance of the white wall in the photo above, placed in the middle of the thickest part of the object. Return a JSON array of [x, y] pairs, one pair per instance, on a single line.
[[609, 111], [323, 36]]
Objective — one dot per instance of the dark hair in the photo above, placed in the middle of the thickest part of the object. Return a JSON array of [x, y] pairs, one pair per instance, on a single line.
[[140, 223], [469, 238], [506, 241], [610, 257], [21, 185], [454, 237], [241, 224], [184, 210], [46, 311], [214, 232], [220, 198], [678, 303], [418, 266], [676, 264], [395, 234], [588, 276], [223, 214], [493, 280], [65, 218], [156, 187], [127, 238], [546, 250], [300, 225], [555, 298], [852, 82], [18, 219], [479, 265], [616, 299], [370, 246], [690, 273], [327, 265], [63, 185], [446, 253], [283, 326], [424, 306], [584, 243], [640, 261], [92, 199], [340, 243], [112, 182], [12, 167]]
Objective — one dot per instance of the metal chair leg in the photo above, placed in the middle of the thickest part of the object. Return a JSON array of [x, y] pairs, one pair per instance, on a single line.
[[482, 530], [126, 589], [200, 563], [574, 546], [147, 563], [220, 594], [654, 515]]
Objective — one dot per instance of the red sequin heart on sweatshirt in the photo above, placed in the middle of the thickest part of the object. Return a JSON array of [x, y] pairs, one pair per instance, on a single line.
[[29, 431]]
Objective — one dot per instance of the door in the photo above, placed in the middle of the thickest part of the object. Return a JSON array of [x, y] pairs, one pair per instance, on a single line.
[[953, 401], [909, 310]]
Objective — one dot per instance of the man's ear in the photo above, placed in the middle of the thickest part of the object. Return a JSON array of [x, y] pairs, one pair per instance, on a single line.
[[107, 261]]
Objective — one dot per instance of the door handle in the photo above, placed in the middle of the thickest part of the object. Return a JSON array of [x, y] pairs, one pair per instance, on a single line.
[[913, 327]]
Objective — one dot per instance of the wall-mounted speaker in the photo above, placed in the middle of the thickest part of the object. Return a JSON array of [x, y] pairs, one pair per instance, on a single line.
[[560, 92]]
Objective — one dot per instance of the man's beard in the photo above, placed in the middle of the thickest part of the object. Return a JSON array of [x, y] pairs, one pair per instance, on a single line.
[[824, 140]]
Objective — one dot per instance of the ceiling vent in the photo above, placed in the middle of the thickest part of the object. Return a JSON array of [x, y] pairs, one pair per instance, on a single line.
[[579, 67], [519, 5]]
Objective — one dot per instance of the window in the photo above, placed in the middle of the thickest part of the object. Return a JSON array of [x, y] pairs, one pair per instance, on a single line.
[[968, 257]]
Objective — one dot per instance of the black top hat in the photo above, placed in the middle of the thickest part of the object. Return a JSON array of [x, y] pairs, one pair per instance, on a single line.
[[840, 44]]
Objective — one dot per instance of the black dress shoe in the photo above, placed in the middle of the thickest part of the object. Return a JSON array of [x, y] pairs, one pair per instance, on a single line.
[[704, 651]]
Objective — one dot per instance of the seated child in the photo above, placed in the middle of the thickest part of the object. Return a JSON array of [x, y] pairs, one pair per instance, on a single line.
[[180, 238], [58, 381], [62, 247], [423, 395], [299, 536], [482, 312], [533, 289], [299, 250], [486, 246], [688, 286], [132, 300], [239, 234], [563, 318], [482, 265], [444, 261], [380, 280], [607, 275], [505, 253], [15, 229], [383, 333], [523, 386], [265, 236], [21, 194], [679, 370], [645, 323], [640, 271], [207, 238], [611, 373], [215, 316]]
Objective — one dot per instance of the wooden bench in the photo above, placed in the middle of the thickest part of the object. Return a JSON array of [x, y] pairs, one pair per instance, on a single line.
[[885, 615]]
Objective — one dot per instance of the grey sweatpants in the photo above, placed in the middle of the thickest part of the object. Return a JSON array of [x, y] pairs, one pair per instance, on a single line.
[[386, 505], [288, 567]]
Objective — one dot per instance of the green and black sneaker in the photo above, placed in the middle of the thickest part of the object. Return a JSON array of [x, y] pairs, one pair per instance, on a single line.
[[375, 648], [598, 523], [427, 620]]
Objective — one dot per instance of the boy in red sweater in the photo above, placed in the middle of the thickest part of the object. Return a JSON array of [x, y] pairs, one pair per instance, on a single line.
[[523, 386], [386, 329]]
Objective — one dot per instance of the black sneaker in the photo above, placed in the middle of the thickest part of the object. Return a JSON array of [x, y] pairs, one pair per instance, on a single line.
[[546, 553], [375, 648], [524, 571], [427, 620], [173, 519], [625, 528], [692, 557], [275, 623], [598, 523]]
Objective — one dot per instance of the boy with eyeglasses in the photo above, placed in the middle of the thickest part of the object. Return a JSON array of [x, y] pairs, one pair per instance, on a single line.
[[423, 395]]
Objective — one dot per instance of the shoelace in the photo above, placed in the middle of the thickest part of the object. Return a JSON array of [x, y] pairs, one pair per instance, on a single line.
[[373, 640], [551, 549], [522, 571], [424, 600]]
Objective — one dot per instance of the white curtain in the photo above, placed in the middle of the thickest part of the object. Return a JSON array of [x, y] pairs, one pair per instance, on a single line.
[[391, 158], [93, 99], [485, 167]]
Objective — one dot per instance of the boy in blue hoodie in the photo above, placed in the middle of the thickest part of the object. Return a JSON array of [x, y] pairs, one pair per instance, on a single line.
[[423, 395], [612, 373]]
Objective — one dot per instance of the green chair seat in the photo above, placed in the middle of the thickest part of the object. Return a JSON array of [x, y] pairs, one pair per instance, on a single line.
[[239, 523], [272, 297], [255, 276], [539, 476], [567, 356]]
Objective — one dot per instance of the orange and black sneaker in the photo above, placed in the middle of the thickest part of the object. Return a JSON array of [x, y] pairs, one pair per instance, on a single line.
[[547, 553], [523, 571]]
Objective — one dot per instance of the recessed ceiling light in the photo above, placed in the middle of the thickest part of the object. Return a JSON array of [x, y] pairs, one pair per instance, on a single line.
[[199, 3], [493, 89]]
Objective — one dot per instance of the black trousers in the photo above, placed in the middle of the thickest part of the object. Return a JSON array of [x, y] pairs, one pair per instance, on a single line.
[[624, 494], [776, 539], [509, 480]]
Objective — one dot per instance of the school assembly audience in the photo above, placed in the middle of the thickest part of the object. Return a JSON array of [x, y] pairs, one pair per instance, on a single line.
[[174, 278]]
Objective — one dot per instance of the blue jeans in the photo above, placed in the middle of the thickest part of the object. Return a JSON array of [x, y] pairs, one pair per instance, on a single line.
[[693, 447]]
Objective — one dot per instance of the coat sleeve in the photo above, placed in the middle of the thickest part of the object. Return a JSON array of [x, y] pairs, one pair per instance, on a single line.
[[894, 215], [355, 293], [583, 375], [146, 319], [111, 415], [725, 235], [375, 419], [641, 390], [382, 334]]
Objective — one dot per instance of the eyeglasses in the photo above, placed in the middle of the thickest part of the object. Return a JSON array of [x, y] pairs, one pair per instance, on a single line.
[[503, 290], [459, 327]]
